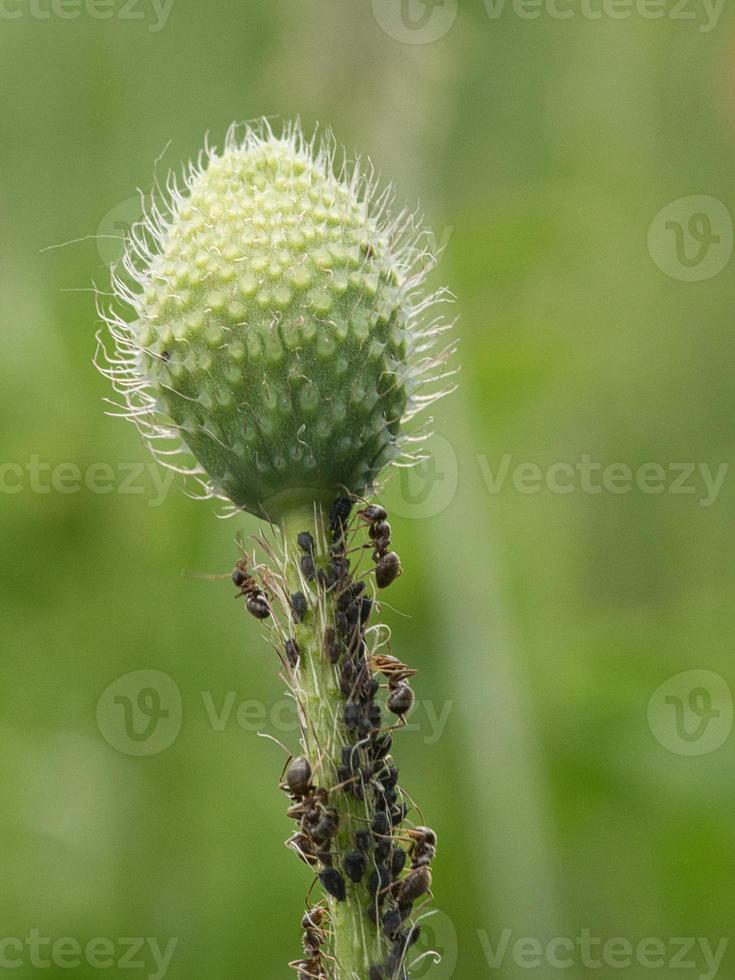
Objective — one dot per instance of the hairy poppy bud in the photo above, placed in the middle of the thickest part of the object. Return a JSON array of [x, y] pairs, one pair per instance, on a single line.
[[281, 328]]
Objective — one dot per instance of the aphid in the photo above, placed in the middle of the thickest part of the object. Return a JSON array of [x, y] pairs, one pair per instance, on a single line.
[[400, 699], [339, 569], [387, 569], [390, 796], [293, 652], [351, 783], [339, 514], [383, 848], [362, 840], [382, 743], [299, 606], [366, 607], [333, 884], [356, 643], [405, 908], [387, 777], [381, 824], [394, 959], [331, 646], [347, 675], [392, 922], [351, 758], [373, 913], [308, 567], [398, 861], [364, 728], [256, 602], [379, 882], [396, 956], [355, 865], [298, 776], [342, 624], [375, 715], [398, 814], [347, 597], [306, 543], [416, 883], [352, 715]]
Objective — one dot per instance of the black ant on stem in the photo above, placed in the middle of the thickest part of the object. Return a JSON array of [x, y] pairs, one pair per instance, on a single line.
[[387, 562], [315, 938], [256, 602]]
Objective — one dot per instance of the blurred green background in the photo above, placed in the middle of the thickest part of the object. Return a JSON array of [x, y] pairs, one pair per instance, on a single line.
[[543, 623]]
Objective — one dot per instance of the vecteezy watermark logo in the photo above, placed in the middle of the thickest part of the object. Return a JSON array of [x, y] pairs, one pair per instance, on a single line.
[[140, 713], [692, 953], [692, 712], [702, 481], [39, 476], [223, 711], [415, 21], [40, 952], [705, 14], [428, 488], [154, 13], [691, 239]]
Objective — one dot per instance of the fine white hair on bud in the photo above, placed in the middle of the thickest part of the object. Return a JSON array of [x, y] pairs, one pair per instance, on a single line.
[[272, 332]]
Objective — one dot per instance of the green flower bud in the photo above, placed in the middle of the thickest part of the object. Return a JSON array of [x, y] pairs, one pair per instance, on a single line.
[[280, 330]]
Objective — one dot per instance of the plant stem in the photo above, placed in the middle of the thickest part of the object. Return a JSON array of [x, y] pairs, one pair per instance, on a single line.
[[355, 940]]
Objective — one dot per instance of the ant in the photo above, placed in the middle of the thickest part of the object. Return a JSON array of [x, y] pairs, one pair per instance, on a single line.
[[422, 849], [256, 602], [311, 968], [400, 695], [387, 562], [298, 777], [314, 939], [400, 699], [391, 667], [303, 846]]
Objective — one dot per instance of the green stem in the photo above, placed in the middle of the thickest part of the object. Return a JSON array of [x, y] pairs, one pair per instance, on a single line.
[[355, 942]]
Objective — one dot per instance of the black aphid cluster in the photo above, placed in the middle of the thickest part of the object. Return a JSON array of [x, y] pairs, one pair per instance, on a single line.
[[372, 857]]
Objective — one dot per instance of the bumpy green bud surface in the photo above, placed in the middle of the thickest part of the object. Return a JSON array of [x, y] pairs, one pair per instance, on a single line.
[[277, 315]]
